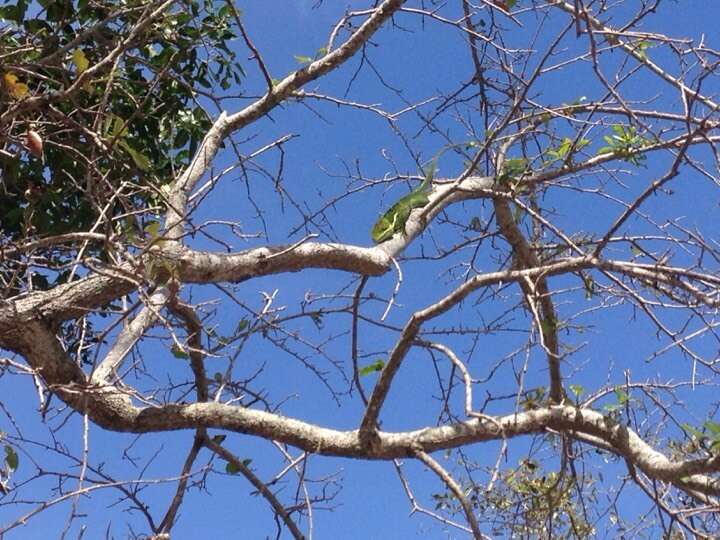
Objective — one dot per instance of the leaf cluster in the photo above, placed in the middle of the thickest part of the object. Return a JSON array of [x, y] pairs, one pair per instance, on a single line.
[[625, 143], [113, 141]]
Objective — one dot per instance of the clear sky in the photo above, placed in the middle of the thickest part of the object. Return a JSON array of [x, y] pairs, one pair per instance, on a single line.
[[417, 60]]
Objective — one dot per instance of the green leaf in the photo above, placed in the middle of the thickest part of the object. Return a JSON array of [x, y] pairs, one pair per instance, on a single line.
[[14, 13], [141, 161], [15, 88], [11, 458], [642, 47], [713, 428], [699, 435], [577, 389], [303, 59], [564, 147], [114, 126], [225, 12], [152, 229], [218, 439], [515, 166], [177, 352], [233, 468], [80, 60], [376, 366]]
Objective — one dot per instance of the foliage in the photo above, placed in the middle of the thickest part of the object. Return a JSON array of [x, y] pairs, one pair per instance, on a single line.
[[112, 142], [185, 195], [625, 142]]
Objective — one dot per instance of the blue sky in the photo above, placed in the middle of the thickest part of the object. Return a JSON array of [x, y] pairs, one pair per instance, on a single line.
[[370, 503]]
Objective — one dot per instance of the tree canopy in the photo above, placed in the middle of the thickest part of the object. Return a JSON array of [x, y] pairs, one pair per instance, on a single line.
[[469, 246]]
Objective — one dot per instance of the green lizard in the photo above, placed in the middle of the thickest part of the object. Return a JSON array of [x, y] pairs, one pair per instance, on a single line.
[[393, 221]]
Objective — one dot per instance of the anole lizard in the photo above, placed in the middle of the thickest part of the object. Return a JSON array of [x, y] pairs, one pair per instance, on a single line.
[[393, 221]]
